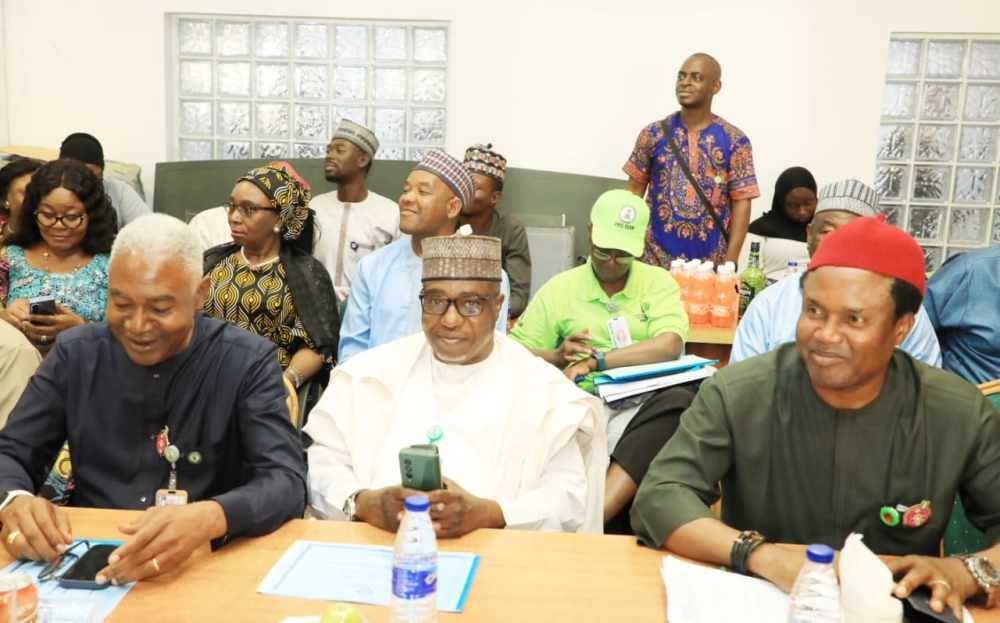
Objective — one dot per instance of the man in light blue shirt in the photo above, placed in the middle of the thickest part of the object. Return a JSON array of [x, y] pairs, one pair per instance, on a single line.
[[961, 303], [771, 318], [88, 150], [383, 304]]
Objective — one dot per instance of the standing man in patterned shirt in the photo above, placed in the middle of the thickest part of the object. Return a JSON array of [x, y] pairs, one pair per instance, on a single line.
[[709, 220]]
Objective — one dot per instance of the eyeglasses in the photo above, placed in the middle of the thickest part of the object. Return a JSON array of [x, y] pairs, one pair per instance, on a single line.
[[467, 306], [620, 256], [246, 209], [55, 569], [69, 221]]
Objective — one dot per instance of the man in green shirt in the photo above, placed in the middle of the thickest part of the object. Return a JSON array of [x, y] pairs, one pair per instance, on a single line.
[[836, 433], [608, 313], [488, 170]]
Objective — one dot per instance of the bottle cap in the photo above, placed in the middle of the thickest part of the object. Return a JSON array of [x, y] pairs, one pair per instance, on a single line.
[[710, 264], [731, 266], [817, 552], [420, 504]]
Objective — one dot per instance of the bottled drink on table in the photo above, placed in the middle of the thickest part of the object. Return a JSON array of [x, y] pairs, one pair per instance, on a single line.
[[815, 597], [722, 313], [701, 295], [414, 566], [752, 279], [792, 268]]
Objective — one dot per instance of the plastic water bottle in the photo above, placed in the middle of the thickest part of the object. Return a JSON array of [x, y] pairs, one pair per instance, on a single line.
[[792, 268], [815, 597], [414, 566], [69, 611]]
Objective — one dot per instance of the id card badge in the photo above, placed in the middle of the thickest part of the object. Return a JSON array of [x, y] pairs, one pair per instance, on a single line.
[[171, 497], [618, 329]]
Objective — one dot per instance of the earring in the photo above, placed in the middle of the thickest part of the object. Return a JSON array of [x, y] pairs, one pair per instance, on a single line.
[[277, 229]]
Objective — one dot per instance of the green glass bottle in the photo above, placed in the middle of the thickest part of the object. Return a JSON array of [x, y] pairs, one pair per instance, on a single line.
[[752, 278]]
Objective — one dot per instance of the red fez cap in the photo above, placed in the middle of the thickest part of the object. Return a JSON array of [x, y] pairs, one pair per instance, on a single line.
[[870, 244]]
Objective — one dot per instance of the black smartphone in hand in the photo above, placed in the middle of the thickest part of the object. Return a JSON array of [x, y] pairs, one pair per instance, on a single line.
[[84, 570], [42, 305]]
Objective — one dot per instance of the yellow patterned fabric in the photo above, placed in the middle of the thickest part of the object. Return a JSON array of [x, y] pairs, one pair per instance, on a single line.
[[259, 301], [287, 193]]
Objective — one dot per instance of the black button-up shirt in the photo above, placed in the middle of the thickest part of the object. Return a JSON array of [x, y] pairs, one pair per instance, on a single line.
[[222, 398]]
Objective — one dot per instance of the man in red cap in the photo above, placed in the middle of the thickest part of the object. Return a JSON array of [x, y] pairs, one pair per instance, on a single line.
[[839, 432]]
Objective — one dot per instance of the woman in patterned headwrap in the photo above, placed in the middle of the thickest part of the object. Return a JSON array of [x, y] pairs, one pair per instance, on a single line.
[[267, 280]]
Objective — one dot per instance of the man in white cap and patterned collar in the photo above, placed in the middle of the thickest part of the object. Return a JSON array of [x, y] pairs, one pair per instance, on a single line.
[[771, 317], [383, 304], [353, 220], [488, 170], [530, 459]]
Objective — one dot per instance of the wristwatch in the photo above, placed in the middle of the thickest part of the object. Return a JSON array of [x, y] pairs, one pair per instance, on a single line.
[[350, 508], [987, 577], [599, 357]]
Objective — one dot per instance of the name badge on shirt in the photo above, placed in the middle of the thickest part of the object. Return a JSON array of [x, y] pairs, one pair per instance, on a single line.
[[171, 497], [620, 335]]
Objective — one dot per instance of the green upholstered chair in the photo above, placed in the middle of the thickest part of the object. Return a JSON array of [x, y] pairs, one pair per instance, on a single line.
[[961, 537]]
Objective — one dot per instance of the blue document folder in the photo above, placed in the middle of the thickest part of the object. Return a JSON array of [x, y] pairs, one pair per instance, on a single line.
[[360, 574]]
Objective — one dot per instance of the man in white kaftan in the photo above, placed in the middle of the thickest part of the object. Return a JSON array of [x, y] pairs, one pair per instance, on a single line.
[[521, 446]]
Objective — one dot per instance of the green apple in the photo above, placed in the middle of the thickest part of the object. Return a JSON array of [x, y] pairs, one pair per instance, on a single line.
[[341, 613]]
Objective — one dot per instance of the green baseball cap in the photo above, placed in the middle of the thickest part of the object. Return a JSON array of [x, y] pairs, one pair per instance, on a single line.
[[619, 219]]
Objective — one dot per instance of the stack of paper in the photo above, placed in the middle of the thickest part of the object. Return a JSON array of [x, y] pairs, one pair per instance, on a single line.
[[697, 594], [633, 380]]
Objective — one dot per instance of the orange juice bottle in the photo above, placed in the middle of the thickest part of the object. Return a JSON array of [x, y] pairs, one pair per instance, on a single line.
[[722, 312], [701, 296]]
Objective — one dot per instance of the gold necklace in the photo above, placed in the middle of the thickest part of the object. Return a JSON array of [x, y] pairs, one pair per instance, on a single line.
[[258, 265], [45, 254]]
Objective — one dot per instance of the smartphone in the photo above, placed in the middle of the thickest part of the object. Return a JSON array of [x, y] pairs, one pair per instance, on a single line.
[[42, 305], [84, 570], [917, 608], [420, 467]]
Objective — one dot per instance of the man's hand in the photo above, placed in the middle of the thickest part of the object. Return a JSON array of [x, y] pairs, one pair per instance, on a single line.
[[50, 326], [163, 537], [383, 508], [456, 512], [778, 565], [948, 578], [575, 371], [35, 529], [574, 346], [16, 314]]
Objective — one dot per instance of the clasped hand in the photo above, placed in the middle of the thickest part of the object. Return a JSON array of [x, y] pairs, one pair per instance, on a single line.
[[454, 511]]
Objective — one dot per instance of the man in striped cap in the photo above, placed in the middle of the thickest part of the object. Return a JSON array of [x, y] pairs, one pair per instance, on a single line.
[[771, 317], [353, 220], [530, 459], [488, 170], [383, 304]]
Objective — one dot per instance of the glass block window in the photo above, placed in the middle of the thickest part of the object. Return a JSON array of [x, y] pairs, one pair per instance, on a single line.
[[247, 87], [937, 165]]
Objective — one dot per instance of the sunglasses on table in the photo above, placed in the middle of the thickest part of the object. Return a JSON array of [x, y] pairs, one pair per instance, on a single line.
[[469, 305], [55, 569]]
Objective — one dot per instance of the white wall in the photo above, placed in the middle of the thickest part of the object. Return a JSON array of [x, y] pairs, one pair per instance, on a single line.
[[553, 84], [3, 84]]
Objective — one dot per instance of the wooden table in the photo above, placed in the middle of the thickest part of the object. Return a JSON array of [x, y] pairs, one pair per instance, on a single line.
[[711, 342], [523, 576]]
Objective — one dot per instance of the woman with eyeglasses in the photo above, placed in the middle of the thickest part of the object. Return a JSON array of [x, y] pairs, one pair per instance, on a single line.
[[59, 248], [267, 280], [14, 178]]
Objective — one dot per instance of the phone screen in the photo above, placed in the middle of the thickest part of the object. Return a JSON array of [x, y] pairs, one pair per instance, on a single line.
[[85, 569]]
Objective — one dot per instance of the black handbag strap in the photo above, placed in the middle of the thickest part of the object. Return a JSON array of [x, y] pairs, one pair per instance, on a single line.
[[675, 150]]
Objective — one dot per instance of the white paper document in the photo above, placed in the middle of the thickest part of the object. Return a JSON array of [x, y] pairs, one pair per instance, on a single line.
[[697, 594]]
